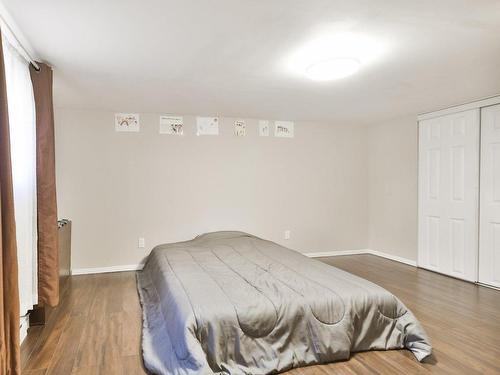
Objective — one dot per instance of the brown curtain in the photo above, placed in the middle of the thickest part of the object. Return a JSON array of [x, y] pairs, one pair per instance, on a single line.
[[48, 256], [9, 293]]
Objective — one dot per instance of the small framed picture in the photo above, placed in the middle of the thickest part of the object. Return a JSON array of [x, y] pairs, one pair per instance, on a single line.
[[283, 129], [127, 122], [239, 128], [264, 128], [207, 126], [172, 125]]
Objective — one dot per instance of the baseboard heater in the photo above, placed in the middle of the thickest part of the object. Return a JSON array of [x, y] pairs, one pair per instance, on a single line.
[[64, 237], [40, 314]]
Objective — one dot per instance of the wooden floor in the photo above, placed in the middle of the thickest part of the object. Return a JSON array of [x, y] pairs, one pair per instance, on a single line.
[[97, 327]]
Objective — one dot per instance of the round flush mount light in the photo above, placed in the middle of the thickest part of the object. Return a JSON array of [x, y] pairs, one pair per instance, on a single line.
[[331, 55], [332, 69]]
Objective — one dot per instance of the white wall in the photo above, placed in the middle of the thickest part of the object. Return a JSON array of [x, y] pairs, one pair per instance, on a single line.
[[392, 187], [117, 187]]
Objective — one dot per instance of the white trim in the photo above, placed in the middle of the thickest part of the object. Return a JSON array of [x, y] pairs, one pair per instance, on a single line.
[[486, 102], [24, 323], [488, 286], [361, 252], [320, 254], [122, 268], [336, 253], [396, 258]]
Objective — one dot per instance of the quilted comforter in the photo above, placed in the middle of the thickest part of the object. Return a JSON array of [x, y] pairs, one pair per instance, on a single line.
[[232, 303]]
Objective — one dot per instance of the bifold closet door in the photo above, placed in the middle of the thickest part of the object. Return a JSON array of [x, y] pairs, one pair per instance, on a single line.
[[489, 232], [448, 194]]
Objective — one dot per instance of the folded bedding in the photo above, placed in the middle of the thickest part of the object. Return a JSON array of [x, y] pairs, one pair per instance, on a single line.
[[232, 303]]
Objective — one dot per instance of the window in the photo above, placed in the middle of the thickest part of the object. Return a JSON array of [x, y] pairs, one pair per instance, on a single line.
[[23, 156]]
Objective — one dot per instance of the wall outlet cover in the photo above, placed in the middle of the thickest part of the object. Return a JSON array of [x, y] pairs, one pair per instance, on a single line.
[[287, 234], [141, 243]]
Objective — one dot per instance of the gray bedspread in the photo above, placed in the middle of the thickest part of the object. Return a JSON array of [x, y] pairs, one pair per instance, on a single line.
[[232, 303]]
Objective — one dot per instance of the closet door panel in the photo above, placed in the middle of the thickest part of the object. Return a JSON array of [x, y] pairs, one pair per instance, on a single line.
[[430, 189], [448, 194], [464, 194], [489, 232]]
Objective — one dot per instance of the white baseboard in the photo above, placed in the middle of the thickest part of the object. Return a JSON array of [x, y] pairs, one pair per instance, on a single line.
[[488, 286], [136, 267], [335, 253], [362, 251], [122, 268], [394, 257]]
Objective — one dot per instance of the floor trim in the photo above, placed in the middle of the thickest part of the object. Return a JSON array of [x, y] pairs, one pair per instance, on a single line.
[[322, 254], [396, 258], [136, 267], [362, 251], [122, 268], [488, 286]]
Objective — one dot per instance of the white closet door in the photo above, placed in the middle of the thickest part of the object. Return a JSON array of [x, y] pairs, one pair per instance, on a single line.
[[448, 194], [489, 232]]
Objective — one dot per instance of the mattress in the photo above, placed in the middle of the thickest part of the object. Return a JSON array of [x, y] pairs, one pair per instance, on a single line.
[[232, 303]]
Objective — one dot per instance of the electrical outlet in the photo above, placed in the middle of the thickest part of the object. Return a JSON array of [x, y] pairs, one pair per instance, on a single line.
[[287, 235], [141, 243]]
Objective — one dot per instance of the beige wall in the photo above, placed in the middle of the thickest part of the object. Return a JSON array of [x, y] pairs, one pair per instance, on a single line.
[[392, 187], [117, 187]]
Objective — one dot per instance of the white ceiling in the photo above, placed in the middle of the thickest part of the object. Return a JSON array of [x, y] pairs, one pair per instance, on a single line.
[[229, 57]]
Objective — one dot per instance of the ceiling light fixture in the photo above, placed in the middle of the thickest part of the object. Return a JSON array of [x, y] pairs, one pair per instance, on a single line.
[[333, 55], [332, 69]]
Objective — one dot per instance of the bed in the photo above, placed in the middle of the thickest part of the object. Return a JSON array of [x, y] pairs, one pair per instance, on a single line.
[[232, 303]]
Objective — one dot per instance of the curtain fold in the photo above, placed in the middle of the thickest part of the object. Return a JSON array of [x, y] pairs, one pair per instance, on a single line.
[[48, 256], [9, 298]]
